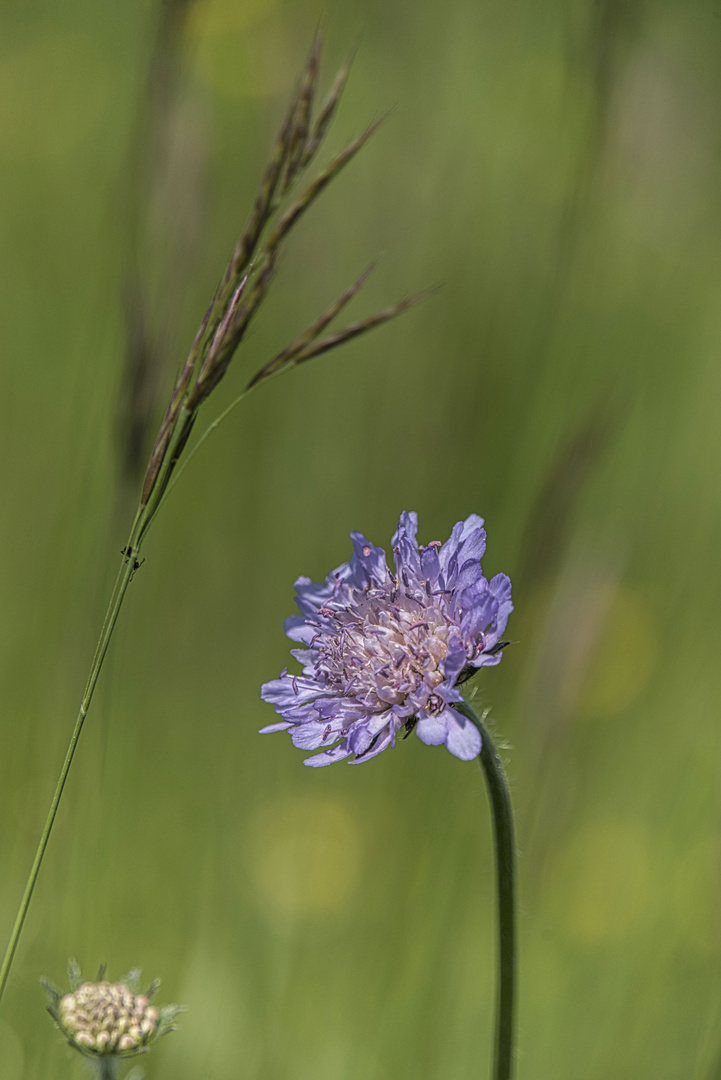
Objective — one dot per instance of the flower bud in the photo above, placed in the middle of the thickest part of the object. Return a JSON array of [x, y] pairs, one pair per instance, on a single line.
[[104, 1019]]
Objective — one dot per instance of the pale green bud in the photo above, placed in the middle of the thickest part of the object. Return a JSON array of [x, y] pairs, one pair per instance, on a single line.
[[104, 1019]]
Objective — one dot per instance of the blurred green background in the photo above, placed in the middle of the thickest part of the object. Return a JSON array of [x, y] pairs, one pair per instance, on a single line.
[[556, 165]]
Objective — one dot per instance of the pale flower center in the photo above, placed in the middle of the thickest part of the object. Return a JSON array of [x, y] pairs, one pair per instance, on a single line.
[[107, 1018], [388, 646]]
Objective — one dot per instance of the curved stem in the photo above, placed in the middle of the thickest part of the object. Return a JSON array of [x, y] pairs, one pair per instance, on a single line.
[[505, 852], [127, 569]]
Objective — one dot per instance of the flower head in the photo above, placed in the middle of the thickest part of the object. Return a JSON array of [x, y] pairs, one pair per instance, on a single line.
[[103, 1019], [385, 651]]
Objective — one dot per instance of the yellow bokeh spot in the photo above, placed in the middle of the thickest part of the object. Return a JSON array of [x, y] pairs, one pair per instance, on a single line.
[[237, 50], [600, 883], [305, 855], [55, 92], [622, 658], [696, 895], [218, 18]]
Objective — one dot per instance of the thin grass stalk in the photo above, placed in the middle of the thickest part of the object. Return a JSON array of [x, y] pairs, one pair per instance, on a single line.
[[124, 578], [220, 333], [146, 344]]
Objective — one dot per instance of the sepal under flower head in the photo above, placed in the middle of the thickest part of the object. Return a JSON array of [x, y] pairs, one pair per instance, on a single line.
[[385, 651], [109, 1020]]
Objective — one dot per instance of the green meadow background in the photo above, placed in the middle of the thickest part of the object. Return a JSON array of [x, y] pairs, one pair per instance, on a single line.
[[556, 167]]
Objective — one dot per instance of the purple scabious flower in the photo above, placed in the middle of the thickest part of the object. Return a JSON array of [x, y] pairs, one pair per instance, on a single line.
[[386, 651]]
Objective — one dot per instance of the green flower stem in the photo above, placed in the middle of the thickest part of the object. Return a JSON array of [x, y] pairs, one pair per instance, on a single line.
[[107, 1069], [124, 578], [504, 845]]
